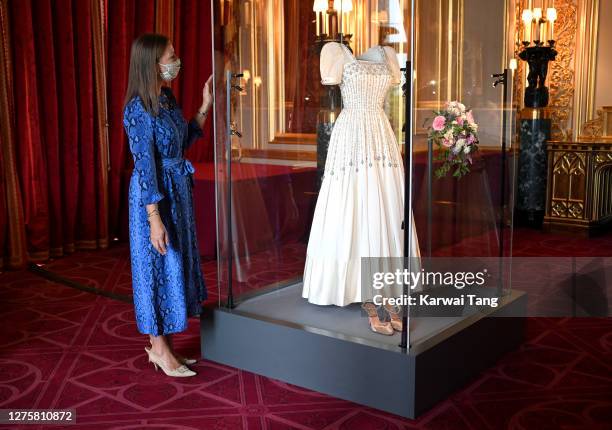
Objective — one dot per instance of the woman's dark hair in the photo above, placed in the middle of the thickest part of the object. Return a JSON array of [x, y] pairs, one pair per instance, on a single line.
[[143, 78]]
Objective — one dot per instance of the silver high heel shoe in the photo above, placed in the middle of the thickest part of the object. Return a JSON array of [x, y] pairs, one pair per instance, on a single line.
[[181, 371], [182, 359]]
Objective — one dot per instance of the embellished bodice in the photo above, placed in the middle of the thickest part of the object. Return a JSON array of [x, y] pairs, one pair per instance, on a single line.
[[362, 137], [365, 83]]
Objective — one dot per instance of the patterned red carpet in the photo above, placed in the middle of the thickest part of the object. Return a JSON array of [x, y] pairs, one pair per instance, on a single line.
[[61, 347]]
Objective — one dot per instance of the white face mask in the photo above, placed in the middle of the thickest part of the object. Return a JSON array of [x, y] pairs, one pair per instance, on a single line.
[[170, 71]]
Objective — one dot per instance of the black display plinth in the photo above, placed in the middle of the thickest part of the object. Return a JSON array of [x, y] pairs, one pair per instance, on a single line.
[[368, 368], [532, 167]]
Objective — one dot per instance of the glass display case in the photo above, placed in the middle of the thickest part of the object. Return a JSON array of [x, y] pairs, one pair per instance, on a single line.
[[334, 122]]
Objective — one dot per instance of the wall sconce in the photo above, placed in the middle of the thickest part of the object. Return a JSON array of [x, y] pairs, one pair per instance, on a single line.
[[538, 34], [536, 53]]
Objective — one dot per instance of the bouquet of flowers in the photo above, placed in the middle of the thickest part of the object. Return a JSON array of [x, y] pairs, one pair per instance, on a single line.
[[455, 133]]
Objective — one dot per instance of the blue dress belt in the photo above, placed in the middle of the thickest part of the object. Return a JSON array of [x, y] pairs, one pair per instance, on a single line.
[[184, 166]]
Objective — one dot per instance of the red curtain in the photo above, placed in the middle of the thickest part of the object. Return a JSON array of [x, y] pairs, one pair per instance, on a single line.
[[55, 171], [56, 142], [12, 233], [126, 21], [192, 41]]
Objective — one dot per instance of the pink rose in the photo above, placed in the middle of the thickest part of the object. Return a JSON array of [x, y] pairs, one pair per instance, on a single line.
[[470, 117], [438, 123], [448, 143], [460, 120]]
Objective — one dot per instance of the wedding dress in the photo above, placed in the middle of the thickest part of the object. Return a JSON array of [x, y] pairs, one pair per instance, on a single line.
[[360, 207]]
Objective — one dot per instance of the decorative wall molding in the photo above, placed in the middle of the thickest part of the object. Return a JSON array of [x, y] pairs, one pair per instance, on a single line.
[[594, 127], [585, 63], [600, 126]]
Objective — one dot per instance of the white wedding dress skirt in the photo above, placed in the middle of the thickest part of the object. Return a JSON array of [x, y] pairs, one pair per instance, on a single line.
[[360, 207]]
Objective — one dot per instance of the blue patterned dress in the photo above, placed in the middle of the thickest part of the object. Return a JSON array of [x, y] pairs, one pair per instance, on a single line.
[[167, 288]]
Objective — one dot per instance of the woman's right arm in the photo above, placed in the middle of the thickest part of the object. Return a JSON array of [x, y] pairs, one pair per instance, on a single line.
[[139, 128], [158, 234]]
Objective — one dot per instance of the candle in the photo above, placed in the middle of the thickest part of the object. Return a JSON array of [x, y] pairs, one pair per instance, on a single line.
[[551, 15], [544, 21], [326, 23], [552, 30], [537, 16], [527, 18], [319, 8], [343, 7], [345, 22]]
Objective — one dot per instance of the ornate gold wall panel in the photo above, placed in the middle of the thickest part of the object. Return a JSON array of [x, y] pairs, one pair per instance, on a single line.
[[561, 72], [585, 63], [579, 189]]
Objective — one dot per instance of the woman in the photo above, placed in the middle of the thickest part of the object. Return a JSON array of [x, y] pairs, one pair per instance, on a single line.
[[166, 276]]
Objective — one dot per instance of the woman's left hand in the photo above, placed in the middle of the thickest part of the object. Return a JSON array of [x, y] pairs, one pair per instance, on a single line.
[[207, 98]]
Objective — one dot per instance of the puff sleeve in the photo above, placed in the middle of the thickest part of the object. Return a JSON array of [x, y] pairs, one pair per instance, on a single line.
[[138, 126], [331, 63], [393, 64]]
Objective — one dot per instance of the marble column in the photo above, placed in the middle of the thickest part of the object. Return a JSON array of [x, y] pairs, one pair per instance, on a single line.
[[535, 128]]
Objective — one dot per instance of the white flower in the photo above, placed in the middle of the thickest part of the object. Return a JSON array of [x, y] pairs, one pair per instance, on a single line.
[[460, 144], [449, 135], [456, 107], [474, 127], [467, 149]]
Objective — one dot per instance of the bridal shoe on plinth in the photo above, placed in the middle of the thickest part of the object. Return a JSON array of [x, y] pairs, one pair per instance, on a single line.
[[396, 320], [181, 371], [376, 324]]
